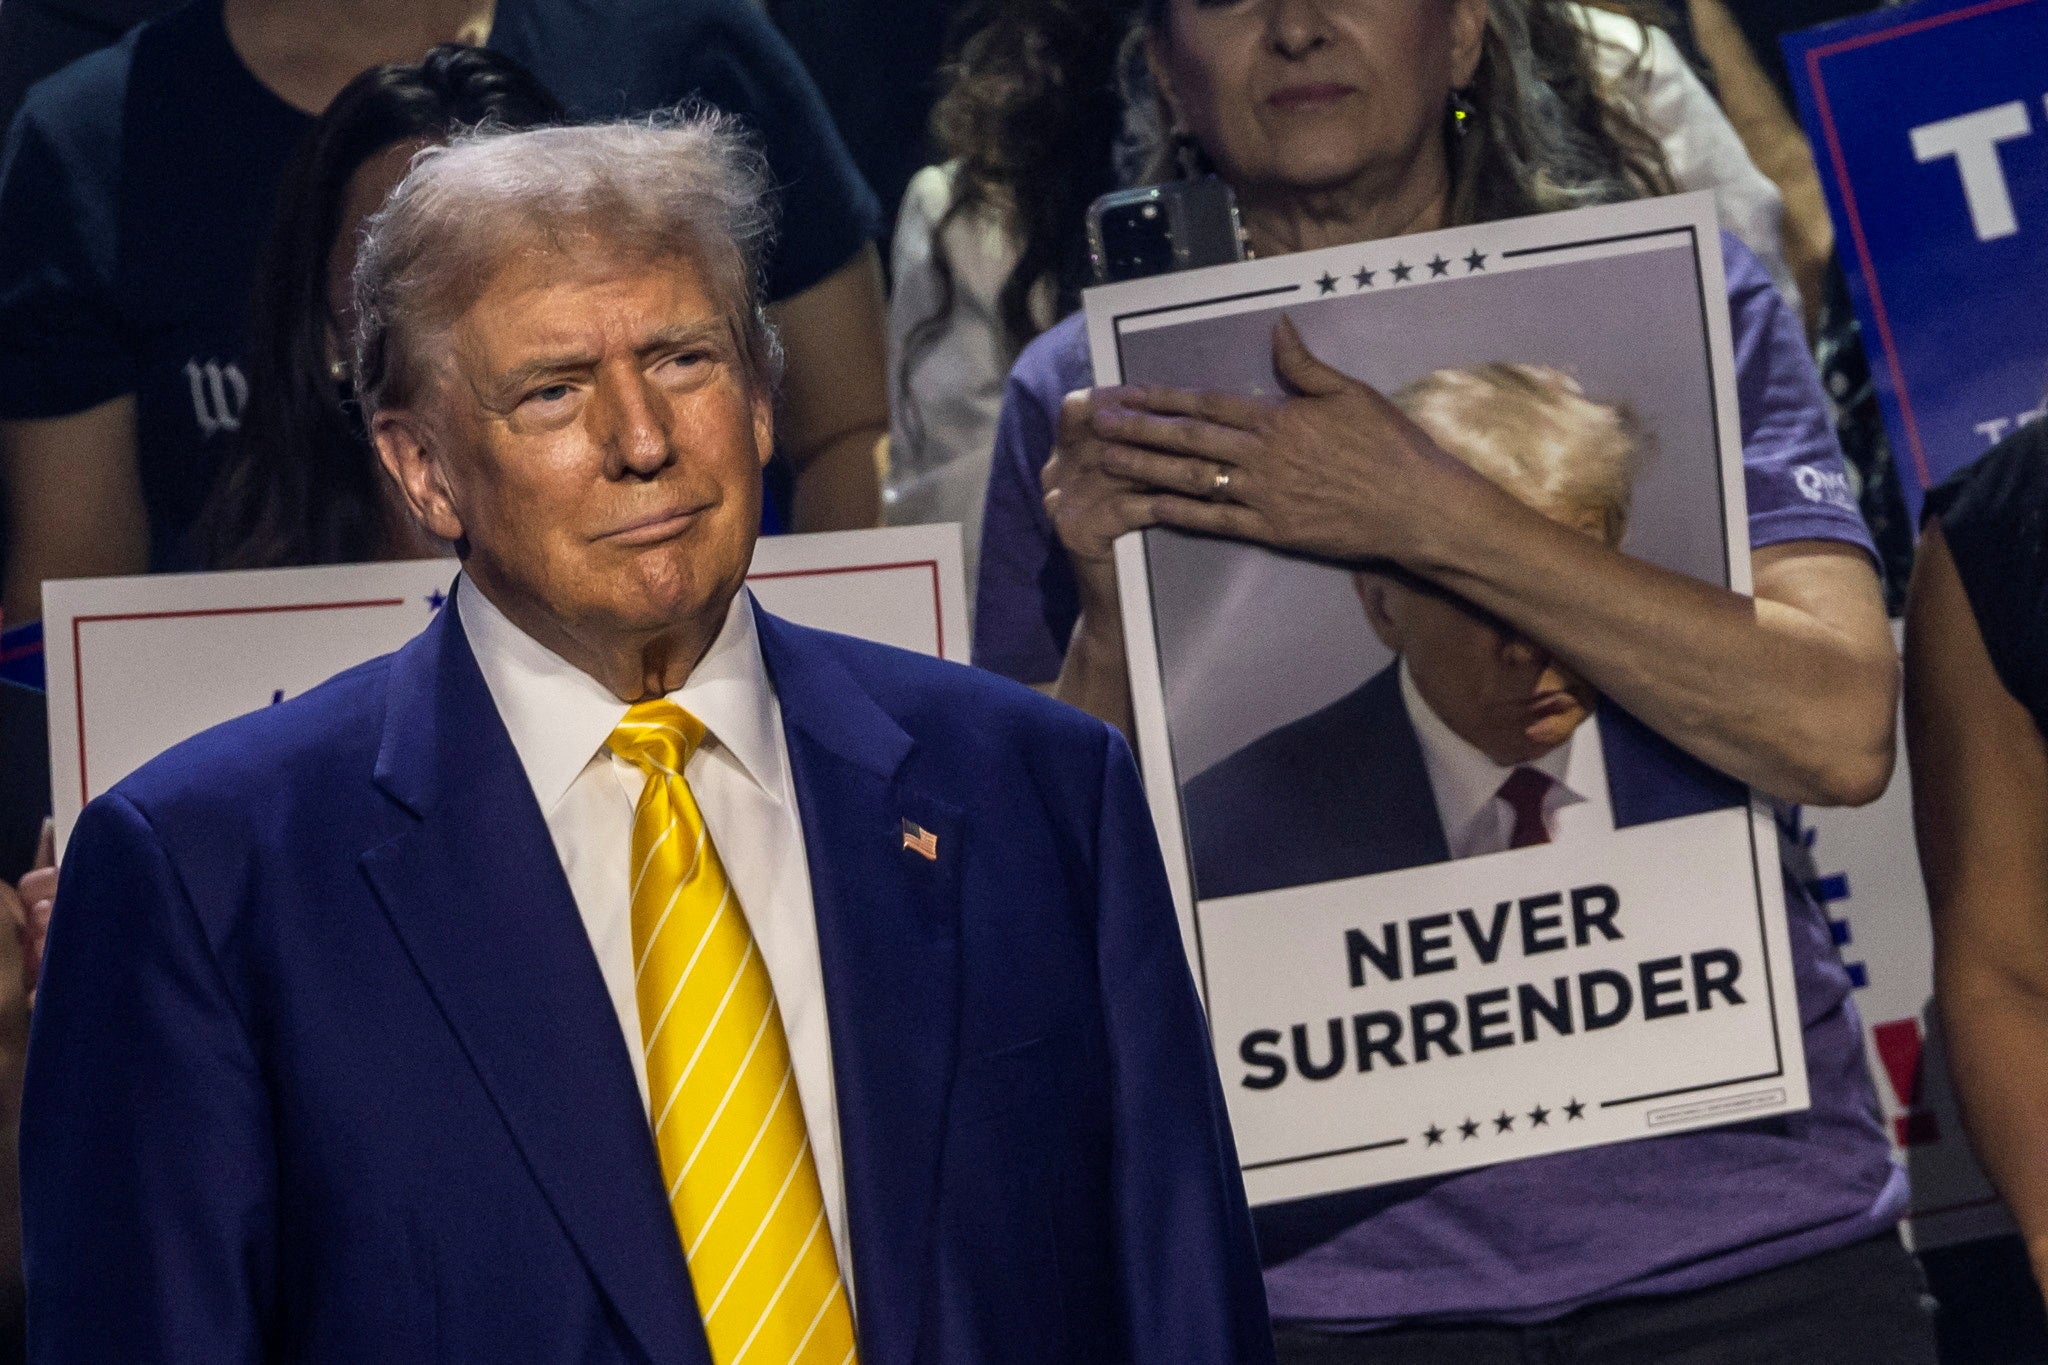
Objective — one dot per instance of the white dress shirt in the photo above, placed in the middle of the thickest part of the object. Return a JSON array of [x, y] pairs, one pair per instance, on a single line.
[[560, 718], [1466, 783]]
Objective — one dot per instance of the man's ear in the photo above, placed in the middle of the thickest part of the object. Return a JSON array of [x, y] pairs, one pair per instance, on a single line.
[[764, 425], [409, 454], [1468, 40], [1377, 594]]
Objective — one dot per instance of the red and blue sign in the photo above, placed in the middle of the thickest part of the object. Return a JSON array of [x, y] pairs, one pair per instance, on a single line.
[[1929, 123]]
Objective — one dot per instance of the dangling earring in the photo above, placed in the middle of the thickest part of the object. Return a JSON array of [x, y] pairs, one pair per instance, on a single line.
[[1463, 113], [337, 370]]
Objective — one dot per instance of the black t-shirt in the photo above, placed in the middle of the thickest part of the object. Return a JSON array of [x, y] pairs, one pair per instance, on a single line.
[[1994, 516], [136, 191], [138, 185], [612, 58]]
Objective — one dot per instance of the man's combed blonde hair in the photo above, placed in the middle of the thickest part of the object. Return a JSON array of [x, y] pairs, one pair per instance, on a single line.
[[1532, 430], [687, 185]]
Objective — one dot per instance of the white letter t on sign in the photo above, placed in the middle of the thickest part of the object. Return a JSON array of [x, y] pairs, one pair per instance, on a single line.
[[1972, 139]]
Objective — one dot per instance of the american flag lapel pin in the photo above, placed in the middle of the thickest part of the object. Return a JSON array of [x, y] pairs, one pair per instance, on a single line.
[[921, 841]]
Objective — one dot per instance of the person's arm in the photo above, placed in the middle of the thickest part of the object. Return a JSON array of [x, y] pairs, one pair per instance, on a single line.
[[74, 501], [1188, 1263], [1777, 146], [148, 1171], [1089, 508], [1793, 692], [1980, 815], [835, 401]]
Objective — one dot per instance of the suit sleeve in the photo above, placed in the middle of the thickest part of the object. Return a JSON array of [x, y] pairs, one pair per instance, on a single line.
[[1190, 1270], [148, 1175]]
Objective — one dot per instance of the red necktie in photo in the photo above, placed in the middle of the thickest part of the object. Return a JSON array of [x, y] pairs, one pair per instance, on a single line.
[[1524, 792]]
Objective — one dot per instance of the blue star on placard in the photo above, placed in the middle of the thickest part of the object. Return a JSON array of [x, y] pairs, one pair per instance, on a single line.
[[1439, 266], [1505, 1123], [1574, 1110], [1539, 1117], [1364, 277], [1327, 283], [436, 598], [1402, 270], [1469, 1129], [1476, 261], [1433, 1136]]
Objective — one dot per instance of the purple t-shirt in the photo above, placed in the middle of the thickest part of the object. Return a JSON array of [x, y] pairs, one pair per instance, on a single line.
[[1529, 1240]]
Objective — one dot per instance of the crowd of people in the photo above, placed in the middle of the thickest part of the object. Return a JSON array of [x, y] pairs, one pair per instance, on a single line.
[[199, 370]]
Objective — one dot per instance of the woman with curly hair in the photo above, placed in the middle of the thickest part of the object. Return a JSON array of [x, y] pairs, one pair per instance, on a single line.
[[1338, 121], [990, 248]]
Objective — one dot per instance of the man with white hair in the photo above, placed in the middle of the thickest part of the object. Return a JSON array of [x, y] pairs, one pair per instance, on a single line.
[[1473, 740], [617, 972]]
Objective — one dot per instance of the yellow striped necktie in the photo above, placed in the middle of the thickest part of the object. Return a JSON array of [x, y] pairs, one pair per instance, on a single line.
[[728, 1121]]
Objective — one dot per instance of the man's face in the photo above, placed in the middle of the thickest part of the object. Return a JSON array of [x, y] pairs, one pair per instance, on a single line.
[[1498, 690], [594, 440]]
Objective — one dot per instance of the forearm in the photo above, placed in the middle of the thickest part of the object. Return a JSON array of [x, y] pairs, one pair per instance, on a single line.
[[1774, 143], [1997, 1036], [1094, 675], [1768, 692], [837, 487], [74, 502]]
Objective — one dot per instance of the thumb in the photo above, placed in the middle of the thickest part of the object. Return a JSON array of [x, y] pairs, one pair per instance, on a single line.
[[1298, 367]]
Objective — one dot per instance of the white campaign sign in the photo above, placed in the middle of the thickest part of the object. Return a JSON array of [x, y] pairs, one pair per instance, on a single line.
[[1631, 980], [137, 664], [1864, 870]]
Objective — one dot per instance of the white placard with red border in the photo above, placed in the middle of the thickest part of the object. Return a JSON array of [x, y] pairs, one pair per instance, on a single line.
[[137, 664]]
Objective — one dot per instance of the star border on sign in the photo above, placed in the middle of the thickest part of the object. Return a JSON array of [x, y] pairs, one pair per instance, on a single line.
[[1433, 1136], [1476, 261], [1438, 266], [1539, 1117], [1574, 1110], [1402, 270], [1470, 1129], [435, 598], [1505, 1123], [1364, 277], [1327, 283]]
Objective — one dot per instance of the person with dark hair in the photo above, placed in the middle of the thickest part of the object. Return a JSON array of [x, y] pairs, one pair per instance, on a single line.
[[299, 483], [990, 247], [1349, 120], [136, 191]]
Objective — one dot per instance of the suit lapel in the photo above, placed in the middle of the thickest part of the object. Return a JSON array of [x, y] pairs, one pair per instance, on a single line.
[[476, 893], [888, 934]]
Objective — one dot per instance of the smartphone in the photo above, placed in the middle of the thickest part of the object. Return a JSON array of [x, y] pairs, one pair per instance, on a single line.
[[1156, 228]]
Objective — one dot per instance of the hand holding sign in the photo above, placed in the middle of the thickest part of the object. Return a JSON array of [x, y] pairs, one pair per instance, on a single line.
[[1332, 470]]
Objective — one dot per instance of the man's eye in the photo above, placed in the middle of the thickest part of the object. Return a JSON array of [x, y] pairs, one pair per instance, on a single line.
[[553, 393]]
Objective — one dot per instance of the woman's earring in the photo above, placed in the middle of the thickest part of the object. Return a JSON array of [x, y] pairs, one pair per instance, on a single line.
[[1463, 113], [337, 370], [1187, 154]]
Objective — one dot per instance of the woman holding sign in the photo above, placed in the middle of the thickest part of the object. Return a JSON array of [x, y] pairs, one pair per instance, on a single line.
[[1337, 121]]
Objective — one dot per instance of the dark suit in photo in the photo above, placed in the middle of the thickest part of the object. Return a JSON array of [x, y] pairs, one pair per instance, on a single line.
[[1344, 792]]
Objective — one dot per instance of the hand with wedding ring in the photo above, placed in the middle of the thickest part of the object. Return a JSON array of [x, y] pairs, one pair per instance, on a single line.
[[1332, 469]]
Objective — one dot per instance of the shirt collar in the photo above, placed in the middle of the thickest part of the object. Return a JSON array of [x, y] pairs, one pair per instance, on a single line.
[[1463, 779], [559, 717]]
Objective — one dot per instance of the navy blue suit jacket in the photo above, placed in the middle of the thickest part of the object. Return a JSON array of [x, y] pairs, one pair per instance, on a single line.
[[323, 1067], [1344, 793]]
